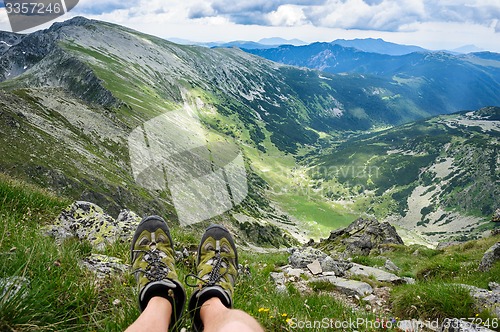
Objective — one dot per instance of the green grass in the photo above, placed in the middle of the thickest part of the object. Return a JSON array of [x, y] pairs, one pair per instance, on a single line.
[[320, 215], [432, 301], [62, 296]]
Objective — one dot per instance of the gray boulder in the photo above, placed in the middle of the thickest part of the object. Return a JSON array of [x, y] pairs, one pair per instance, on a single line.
[[279, 281], [379, 275], [328, 264], [348, 287], [300, 258], [103, 265], [88, 221], [496, 216], [491, 256], [485, 299], [390, 266], [360, 237]]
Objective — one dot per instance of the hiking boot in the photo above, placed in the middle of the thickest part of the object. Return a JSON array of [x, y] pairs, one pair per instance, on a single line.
[[217, 269], [152, 257]]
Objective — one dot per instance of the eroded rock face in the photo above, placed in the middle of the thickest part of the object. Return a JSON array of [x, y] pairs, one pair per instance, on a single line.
[[360, 237], [491, 256], [88, 221]]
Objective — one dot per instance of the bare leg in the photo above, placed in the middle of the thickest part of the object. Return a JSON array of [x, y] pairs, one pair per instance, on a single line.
[[155, 318], [217, 318]]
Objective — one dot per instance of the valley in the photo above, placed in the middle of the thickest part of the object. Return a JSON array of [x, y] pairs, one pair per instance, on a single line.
[[320, 149]]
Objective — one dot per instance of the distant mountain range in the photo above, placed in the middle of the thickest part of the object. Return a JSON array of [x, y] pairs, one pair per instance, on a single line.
[[366, 44], [261, 44], [378, 46], [456, 78]]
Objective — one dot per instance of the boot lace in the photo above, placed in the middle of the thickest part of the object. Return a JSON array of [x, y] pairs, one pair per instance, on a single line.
[[214, 276], [156, 269]]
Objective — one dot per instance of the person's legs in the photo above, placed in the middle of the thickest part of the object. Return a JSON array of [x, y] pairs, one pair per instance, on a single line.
[[155, 318], [217, 318], [161, 296], [217, 268]]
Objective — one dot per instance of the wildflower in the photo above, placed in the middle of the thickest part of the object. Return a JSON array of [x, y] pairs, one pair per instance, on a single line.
[[284, 315], [288, 320]]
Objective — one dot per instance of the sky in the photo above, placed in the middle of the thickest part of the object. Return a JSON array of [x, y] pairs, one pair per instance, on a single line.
[[432, 24]]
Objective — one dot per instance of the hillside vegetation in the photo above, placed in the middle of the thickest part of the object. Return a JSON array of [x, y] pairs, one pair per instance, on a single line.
[[50, 290], [315, 148]]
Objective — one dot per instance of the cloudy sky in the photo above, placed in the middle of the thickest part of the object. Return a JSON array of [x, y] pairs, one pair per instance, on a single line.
[[433, 24]]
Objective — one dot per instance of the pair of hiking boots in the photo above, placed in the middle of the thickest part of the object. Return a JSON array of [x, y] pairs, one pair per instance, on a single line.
[[153, 263]]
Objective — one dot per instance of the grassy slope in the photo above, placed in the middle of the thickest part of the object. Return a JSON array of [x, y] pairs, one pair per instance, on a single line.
[[64, 297]]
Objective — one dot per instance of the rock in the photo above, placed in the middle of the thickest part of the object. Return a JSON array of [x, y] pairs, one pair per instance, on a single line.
[[491, 256], [315, 267], [415, 325], [103, 265], [457, 325], [380, 275], [409, 281], [390, 266], [362, 236], [495, 232], [485, 299], [494, 286], [349, 287], [126, 223], [496, 216], [294, 272], [87, 221], [370, 298], [279, 280], [300, 258], [13, 286], [328, 264]]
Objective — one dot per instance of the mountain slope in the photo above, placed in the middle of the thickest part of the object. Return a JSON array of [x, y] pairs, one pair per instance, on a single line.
[[438, 177], [72, 95], [378, 46], [438, 80]]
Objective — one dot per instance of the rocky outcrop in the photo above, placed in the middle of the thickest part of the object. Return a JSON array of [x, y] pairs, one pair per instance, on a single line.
[[103, 265], [379, 275], [311, 270], [486, 299], [496, 216], [87, 221], [301, 258], [361, 237], [491, 256]]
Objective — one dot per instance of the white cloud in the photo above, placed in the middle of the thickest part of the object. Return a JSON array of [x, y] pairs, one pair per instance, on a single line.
[[287, 15]]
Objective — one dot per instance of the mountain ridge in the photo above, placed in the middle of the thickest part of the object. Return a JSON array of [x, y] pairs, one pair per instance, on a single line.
[[88, 84]]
